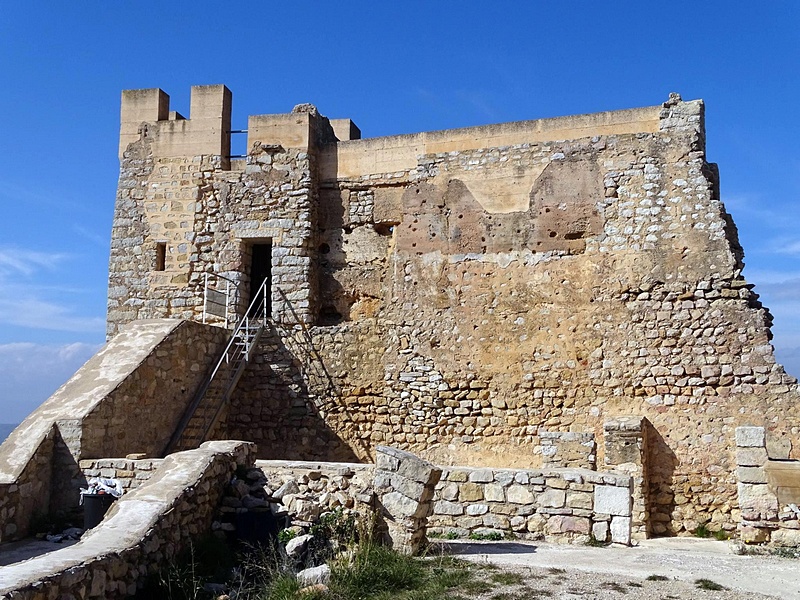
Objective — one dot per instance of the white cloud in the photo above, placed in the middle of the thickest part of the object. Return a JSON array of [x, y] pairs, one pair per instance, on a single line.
[[791, 247], [30, 373], [18, 261], [29, 296]]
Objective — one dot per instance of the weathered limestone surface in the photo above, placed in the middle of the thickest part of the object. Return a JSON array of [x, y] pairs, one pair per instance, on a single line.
[[144, 528], [456, 293], [404, 489], [568, 449]]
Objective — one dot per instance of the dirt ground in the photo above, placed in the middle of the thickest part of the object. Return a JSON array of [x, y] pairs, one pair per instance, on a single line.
[[666, 568]]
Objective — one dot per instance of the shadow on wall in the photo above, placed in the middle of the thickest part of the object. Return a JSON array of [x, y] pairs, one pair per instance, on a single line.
[[661, 462], [274, 407]]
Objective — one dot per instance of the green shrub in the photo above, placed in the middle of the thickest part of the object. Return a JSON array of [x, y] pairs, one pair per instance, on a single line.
[[702, 531]]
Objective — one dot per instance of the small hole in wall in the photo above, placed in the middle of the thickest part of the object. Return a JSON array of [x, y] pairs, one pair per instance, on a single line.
[[383, 228], [460, 216], [553, 234], [575, 235], [328, 315], [324, 248]]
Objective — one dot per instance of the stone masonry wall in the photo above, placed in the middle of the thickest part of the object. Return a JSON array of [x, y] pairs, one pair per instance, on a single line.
[[769, 489], [552, 504], [130, 472], [143, 529], [458, 293]]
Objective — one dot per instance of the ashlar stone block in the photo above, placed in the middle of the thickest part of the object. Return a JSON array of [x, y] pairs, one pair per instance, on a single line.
[[751, 475], [621, 530], [751, 457], [750, 437], [612, 500]]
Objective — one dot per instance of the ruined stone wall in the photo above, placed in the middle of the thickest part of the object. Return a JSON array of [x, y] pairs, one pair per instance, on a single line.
[[469, 290], [141, 532]]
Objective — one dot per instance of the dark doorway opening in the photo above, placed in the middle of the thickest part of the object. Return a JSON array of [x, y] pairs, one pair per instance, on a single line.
[[261, 271]]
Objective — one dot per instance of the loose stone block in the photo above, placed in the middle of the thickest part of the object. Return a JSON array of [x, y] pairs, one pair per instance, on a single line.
[[789, 538], [753, 535]]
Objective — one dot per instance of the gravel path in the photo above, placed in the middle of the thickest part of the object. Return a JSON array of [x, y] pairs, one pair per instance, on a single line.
[[562, 571]]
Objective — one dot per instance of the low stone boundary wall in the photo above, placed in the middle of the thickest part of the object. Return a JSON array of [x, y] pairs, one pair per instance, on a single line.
[[768, 489], [142, 530], [554, 504], [131, 473], [568, 505]]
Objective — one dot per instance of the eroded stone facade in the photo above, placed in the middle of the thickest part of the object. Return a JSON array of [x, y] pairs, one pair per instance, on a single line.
[[456, 293]]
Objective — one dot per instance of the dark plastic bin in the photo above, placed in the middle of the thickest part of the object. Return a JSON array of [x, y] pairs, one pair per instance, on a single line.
[[95, 507], [255, 527]]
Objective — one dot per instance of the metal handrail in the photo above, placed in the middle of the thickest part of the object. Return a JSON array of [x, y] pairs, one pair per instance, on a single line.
[[237, 351], [229, 284]]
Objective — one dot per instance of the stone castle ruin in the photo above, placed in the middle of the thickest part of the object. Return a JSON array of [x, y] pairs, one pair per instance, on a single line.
[[558, 304]]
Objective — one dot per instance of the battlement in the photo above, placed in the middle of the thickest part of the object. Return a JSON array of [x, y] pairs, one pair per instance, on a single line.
[[344, 154], [206, 131]]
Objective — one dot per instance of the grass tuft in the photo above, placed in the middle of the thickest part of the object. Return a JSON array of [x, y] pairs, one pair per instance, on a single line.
[[707, 584], [507, 578]]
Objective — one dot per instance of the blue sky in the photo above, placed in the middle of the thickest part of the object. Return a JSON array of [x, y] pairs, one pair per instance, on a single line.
[[392, 68]]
